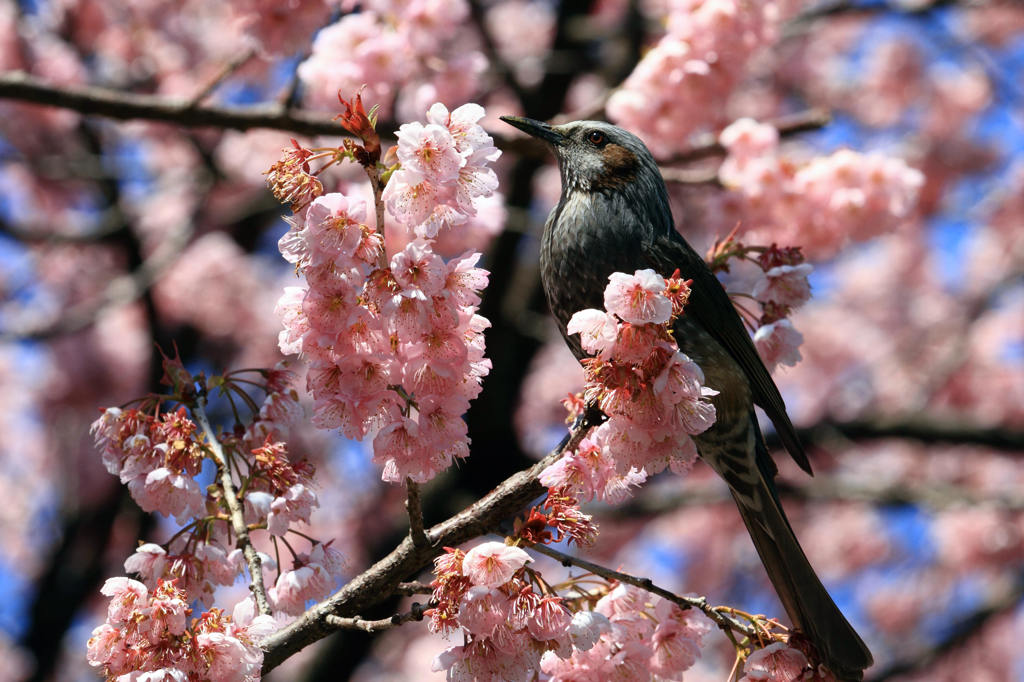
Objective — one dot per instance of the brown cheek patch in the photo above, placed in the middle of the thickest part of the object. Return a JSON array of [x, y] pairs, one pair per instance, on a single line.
[[620, 166]]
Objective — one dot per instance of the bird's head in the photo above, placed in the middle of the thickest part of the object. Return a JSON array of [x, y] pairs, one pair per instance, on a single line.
[[595, 156]]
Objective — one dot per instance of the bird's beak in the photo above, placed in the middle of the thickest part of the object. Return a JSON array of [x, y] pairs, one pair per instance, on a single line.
[[535, 128]]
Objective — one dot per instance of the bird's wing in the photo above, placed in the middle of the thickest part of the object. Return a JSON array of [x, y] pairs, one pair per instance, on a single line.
[[712, 308]]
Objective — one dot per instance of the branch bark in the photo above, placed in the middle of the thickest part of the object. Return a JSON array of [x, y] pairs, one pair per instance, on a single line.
[[357, 623], [126, 106]]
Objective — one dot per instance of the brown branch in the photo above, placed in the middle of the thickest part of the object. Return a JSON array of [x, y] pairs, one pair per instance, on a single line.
[[494, 58], [382, 579], [827, 10], [178, 111], [414, 508], [357, 623], [922, 429], [722, 620], [937, 496], [224, 73], [410, 588]]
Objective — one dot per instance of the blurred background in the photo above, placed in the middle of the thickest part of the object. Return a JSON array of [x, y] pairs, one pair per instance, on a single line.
[[133, 212]]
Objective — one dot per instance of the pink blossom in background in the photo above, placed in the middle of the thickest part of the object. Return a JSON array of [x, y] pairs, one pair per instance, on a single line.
[[822, 204], [683, 83], [121, 233], [775, 663]]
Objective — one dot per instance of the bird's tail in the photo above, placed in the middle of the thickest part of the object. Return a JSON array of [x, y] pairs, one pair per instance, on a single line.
[[804, 597]]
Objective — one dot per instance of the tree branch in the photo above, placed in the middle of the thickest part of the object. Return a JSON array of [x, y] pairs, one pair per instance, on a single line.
[[125, 106], [234, 508], [410, 588], [357, 623], [382, 579], [722, 620], [936, 496], [792, 124], [414, 508], [923, 429]]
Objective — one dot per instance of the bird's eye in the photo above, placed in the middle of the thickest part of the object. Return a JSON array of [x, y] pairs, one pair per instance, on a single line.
[[596, 138]]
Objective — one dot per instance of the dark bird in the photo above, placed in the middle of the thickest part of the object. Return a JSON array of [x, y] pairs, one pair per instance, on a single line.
[[613, 215]]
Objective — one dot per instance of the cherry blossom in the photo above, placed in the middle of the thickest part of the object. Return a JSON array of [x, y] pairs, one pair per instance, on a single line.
[[492, 563]]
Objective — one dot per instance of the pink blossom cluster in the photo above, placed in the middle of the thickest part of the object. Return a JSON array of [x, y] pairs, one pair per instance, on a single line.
[[156, 457], [779, 285], [683, 83], [281, 27], [395, 48], [149, 636], [558, 517], [395, 348], [653, 394], [639, 637], [514, 632], [444, 170], [822, 204]]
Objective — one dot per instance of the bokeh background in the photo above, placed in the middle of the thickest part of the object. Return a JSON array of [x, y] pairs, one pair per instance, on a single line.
[[133, 212]]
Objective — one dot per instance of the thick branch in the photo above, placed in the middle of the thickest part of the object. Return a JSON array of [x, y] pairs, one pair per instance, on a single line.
[[234, 508], [178, 111], [720, 619], [382, 579]]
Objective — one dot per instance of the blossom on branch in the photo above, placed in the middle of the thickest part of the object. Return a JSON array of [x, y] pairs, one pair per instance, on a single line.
[[653, 394], [394, 346]]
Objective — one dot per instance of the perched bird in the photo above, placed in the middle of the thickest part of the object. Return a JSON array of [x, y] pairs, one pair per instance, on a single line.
[[613, 215]]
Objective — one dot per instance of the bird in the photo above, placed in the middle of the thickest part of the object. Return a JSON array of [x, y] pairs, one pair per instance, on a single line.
[[613, 215]]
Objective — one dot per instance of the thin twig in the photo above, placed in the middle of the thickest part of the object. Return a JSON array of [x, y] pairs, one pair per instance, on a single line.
[[722, 620], [414, 587], [792, 124], [373, 172], [178, 111], [225, 72], [357, 623], [234, 507], [415, 511], [922, 429]]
